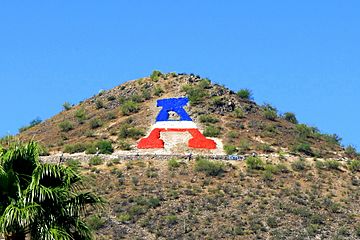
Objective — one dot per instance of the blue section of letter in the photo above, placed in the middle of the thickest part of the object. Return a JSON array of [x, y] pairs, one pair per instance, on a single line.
[[175, 105]]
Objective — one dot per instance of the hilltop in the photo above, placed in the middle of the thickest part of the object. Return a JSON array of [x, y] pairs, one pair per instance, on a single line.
[[125, 113]]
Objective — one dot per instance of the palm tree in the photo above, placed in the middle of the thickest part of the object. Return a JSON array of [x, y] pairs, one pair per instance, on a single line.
[[44, 201]]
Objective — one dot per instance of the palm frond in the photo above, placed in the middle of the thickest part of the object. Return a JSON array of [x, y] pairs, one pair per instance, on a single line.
[[18, 216]]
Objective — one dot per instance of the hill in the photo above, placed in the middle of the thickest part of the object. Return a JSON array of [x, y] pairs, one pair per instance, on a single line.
[[294, 183], [125, 113]]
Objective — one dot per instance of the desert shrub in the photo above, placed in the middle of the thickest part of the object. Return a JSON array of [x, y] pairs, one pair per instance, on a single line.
[[303, 148], [171, 219], [111, 115], [173, 164], [217, 101], [129, 107], [80, 115], [101, 146], [270, 114], [332, 138], [244, 94], [33, 123], [96, 222], [43, 151], [73, 163], [124, 145], [196, 94], [212, 131], [95, 161], [332, 164], [290, 117], [67, 106], [354, 165], [238, 113], [204, 83], [206, 118], [254, 163], [233, 135], [265, 148], [210, 168], [99, 104], [230, 149], [136, 98], [66, 126], [304, 131], [95, 123], [155, 75], [126, 131], [272, 222], [158, 91], [75, 148], [299, 165], [146, 94], [350, 151], [111, 98], [244, 146], [104, 146]]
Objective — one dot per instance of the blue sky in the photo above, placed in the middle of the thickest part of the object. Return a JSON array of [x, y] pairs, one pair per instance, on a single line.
[[300, 56]]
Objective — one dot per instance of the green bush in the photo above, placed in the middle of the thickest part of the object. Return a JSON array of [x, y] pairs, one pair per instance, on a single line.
[[303, 148], [146, 94], [66, 126], [332, 164], [155, 75], [96, 161], [354, 165], [99, 104], [75, 148], [96, 222], [245, 94], [244, 146], [111, 98], [173, 164], [67, 106], [196, 94], [270, 114], [350, 151], [136, 98], [254, 163], [158, 91], [239, 113], [299, 165], [204, 83], [217, 101], [304, 131], [332, 138], [81, 115], [233, 135], [126, 131], [33, 123], [230, 149], [206, 118], [290, 117], [129, 107], [210, 168], [104, 147], [73, 163], [212, 131], [124, 145], [95, 123], [111, 115]]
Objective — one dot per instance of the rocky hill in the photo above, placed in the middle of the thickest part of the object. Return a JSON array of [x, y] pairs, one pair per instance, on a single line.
[[125, 113], [294, 182]]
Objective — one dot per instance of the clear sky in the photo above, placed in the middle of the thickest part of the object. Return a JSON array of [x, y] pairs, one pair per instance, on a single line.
[[300, 56]]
